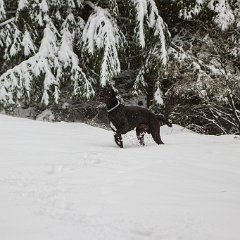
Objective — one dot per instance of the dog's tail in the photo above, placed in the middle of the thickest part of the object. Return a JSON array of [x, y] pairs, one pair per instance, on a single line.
[[164, 120]]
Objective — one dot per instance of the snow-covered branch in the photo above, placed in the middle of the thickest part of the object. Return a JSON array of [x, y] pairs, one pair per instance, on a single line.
[[7, 22], [19, 79], [2, 10], [226, 12], [152, 34], [101, 33]]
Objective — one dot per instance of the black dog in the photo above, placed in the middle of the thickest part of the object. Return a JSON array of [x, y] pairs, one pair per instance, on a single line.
[[125, 118]]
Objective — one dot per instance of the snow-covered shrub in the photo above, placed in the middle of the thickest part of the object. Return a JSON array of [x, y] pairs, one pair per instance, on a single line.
[[224, 13], [206, 84]]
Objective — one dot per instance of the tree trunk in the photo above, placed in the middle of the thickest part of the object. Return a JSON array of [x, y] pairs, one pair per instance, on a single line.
[[150, 90]]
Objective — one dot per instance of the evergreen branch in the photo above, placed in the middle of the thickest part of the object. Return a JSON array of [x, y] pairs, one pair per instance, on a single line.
[[7, 22], [90, 4]]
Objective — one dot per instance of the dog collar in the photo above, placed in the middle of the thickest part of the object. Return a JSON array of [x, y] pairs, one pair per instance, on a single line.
[[110, 110]]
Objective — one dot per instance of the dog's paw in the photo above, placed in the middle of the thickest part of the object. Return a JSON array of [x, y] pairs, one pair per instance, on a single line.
[[118, 141], [120, 144]]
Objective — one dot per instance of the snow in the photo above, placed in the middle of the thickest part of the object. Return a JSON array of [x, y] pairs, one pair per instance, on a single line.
[[2, 11], [41, 63], [28, 44], [225, 16], [141, 7], [146, 10], [43, 6], [46, 115], [158, 96], [68, 181], [48, 45], [66, 54], [22, 4]]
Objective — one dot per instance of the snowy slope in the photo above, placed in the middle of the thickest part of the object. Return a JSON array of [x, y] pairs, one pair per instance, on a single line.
[[68, 181]]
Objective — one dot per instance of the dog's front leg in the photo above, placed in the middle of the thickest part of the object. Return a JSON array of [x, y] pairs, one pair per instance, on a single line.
[[118, 139], [120, 129]]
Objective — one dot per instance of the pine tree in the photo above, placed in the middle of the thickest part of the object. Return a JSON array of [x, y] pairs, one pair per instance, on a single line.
[[53, 47], [38, 76], [45, 37]]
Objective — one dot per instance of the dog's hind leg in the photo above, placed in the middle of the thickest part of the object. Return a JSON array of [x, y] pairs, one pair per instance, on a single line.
[[118, 139], [141, 131], [140, 136], [155, 132]]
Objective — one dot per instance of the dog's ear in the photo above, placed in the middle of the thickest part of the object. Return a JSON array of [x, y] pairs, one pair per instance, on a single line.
[[112, 91]]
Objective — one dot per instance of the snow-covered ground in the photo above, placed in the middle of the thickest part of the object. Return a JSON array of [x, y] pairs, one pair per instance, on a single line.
[[68, 181]]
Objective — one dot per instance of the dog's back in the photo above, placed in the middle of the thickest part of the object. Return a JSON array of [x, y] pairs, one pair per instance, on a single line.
[[137, 115]]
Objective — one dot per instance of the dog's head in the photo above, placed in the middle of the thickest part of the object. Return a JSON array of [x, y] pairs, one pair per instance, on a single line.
[[106, 94]]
